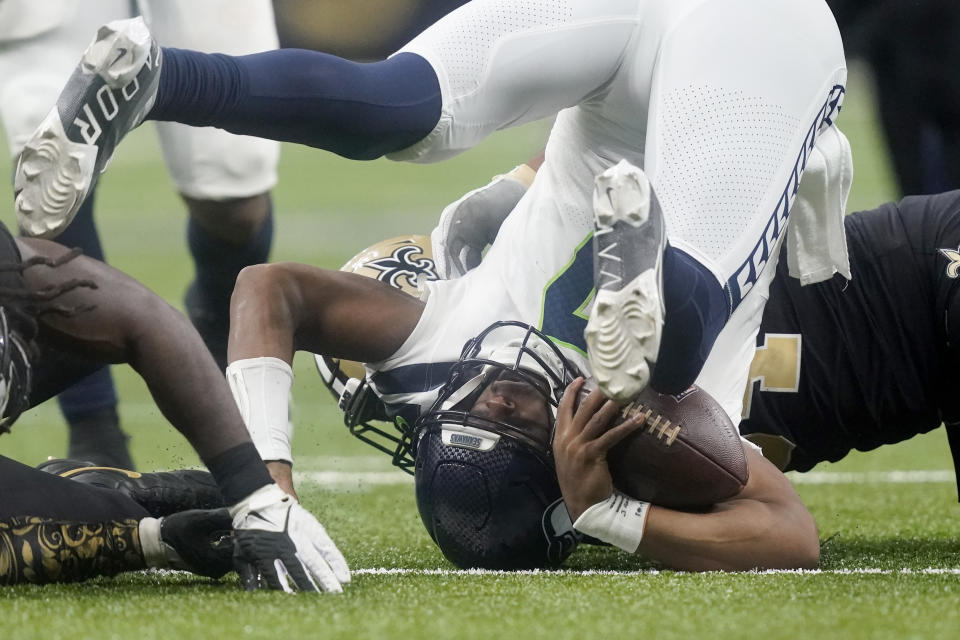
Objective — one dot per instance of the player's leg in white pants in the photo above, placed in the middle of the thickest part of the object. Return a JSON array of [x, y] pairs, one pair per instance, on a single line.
[[224, 179], [717, 100]]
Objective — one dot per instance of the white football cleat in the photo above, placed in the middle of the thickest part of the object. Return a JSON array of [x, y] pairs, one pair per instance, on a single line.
[[109, 93], [626, 320]]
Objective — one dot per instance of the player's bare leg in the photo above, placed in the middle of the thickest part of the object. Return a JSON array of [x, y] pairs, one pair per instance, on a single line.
[[626, 321]]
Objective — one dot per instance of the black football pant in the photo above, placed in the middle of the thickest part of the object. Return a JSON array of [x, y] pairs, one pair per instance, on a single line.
[[55, 530], [28, 492]]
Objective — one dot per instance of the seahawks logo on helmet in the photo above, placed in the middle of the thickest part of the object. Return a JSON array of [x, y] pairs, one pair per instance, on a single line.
[[559, 532], [402, 265]]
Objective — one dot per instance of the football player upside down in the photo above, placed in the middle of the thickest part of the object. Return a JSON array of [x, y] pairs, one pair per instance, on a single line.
[[839, 365]]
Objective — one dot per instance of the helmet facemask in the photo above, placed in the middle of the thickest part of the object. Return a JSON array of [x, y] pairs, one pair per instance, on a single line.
[[485, 484], [528, 359]]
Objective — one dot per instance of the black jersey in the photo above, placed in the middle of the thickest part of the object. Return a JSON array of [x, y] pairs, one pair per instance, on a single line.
[[857, 364]]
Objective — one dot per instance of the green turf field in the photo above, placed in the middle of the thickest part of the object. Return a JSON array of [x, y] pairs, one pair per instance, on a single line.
[[888, 520]]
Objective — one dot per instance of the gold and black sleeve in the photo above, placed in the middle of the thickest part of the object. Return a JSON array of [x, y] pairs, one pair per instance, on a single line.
[[41, 551]]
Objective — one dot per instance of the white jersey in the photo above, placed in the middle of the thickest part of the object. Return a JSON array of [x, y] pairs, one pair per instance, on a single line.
[[719, 101], [539, 272]]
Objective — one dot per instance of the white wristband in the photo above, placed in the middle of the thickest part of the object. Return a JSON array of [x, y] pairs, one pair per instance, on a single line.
[[151, 545], [261, 389], [619, 520], [157, 554]]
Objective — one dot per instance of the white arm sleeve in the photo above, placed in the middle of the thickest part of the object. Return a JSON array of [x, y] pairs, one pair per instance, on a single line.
[[261, 389]]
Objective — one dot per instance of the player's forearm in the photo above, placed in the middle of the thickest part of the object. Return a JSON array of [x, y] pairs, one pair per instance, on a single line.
[[738, 535], [122, 321], [282, 474], [766, 526], [185, 382]]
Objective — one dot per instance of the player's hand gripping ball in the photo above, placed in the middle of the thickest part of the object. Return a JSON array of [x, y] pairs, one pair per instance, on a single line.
[[687, 454]]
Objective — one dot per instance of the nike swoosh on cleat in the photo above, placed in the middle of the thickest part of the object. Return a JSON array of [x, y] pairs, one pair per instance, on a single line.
[[610, 197], [122, 53]]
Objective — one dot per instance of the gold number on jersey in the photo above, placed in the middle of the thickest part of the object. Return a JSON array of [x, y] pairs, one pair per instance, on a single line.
[[776, 365]]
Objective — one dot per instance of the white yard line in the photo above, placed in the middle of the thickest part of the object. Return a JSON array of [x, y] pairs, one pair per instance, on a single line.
[[361, 478], [394, 571], [873, 477], [353, 478]]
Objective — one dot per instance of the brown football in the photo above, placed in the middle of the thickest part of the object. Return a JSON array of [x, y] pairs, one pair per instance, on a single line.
[[687, 454]]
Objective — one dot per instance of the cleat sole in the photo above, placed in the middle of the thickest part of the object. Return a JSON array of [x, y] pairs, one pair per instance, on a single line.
[[626, 322], [108, 94]]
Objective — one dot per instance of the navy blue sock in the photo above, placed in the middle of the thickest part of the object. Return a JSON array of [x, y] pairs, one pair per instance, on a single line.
[[89, 395], [696, 311], [217, 263], [357, 110]]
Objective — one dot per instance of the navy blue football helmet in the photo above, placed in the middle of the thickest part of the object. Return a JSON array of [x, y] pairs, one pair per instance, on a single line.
[[485, 485], [486, 488]]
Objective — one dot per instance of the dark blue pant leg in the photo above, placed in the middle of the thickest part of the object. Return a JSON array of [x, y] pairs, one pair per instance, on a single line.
[[217, 263], [696, 311], [357, 110]]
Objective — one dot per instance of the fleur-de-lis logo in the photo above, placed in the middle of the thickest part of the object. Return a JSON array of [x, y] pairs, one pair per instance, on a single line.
[[401, 265], [953, 267]]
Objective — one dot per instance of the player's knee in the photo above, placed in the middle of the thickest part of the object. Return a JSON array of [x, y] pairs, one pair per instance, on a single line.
[[257, 279], [270, 294], [235, 220], [273, 283]]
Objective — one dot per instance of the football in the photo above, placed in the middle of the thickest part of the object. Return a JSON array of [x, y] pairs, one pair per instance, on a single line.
[[687, 454]]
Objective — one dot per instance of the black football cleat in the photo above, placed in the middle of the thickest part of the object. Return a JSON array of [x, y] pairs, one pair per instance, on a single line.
[[110, 92], [160, 493], [626, 319], [199, 541]]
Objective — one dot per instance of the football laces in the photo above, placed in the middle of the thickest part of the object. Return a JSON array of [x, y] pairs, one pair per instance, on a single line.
[[662, 428]]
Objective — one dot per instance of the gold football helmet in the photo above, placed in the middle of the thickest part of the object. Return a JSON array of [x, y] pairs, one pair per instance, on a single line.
[[404, 262]]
